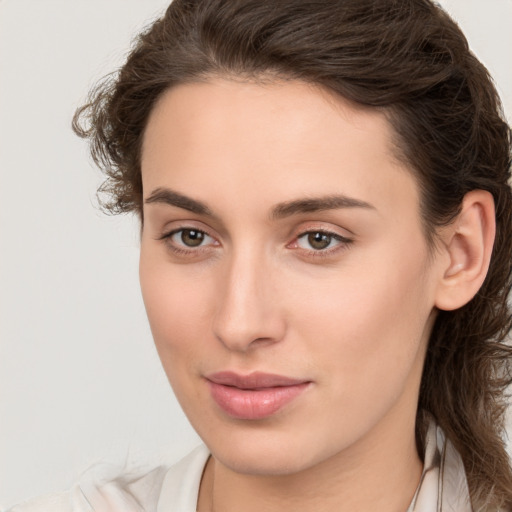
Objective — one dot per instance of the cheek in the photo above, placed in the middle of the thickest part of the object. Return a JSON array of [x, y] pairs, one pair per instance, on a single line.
[[178, 308], [367, 325]]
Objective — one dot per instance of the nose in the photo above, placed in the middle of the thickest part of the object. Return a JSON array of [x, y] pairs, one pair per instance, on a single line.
[[248, 313]]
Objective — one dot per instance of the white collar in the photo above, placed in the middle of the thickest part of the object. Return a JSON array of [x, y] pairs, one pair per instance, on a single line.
[[443, 486]]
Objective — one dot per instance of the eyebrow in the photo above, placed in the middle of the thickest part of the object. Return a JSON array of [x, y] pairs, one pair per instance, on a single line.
[[317, 204], [279, 211], [172, 198]]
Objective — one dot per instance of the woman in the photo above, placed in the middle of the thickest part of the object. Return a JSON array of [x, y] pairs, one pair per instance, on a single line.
[[325, 255]]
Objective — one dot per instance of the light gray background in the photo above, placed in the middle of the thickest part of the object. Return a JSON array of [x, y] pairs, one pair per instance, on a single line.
[[80, 381]]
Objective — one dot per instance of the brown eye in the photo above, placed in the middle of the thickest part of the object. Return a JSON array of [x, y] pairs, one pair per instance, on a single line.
[[321, 241], [192, 237], [189, 241], [318, 240]]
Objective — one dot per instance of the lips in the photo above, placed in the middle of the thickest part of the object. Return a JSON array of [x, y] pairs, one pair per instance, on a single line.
[[254, 396]]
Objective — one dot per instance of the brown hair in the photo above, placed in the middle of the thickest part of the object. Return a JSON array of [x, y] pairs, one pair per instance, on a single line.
[[408, 58]]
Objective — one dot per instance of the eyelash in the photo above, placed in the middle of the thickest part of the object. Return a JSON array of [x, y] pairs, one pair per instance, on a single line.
[[181, 250], [343, 244]]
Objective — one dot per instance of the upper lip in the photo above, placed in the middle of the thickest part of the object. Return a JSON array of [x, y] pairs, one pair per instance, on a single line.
[[255, 380]]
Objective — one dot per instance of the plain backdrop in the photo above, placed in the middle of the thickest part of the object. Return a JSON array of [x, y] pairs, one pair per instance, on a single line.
[[80, 381]]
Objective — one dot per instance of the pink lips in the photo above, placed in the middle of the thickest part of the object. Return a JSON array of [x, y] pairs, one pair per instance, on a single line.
[[255, 396]]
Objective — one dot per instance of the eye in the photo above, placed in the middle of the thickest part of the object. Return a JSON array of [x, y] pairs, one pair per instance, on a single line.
[[317, 240], [321, 241], [188, 238]]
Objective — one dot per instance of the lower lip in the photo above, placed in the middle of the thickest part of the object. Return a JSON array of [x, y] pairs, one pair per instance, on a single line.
[[254, 404]]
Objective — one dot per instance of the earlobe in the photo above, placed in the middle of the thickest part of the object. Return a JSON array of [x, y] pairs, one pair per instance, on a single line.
[[468, 242]]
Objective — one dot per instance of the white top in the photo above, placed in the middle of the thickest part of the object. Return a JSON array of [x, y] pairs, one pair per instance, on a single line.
[[173, 489], [443, 486]]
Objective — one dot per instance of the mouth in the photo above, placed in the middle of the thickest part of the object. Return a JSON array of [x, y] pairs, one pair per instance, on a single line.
[[254, 396]]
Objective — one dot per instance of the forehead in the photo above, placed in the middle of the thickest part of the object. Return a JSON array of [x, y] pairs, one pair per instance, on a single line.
[[278, 139], [300, 110]]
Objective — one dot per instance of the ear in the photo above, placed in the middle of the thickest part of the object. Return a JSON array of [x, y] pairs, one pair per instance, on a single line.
[[468, 243]]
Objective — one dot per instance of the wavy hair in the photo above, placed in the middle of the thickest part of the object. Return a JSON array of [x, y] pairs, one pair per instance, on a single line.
[[407, 58]]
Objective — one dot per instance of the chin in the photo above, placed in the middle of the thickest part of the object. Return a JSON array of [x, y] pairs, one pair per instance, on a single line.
[[271, 452], [280, 462]]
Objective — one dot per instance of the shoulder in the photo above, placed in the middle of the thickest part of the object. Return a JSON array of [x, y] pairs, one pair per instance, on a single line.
[[70, 501], [180, 487], [161, 488]]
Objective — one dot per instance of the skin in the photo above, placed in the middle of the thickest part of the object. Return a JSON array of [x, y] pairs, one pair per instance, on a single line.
[[352, 319]]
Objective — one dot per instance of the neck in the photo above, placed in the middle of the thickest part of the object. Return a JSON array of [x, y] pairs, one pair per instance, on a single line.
[[381, 473]]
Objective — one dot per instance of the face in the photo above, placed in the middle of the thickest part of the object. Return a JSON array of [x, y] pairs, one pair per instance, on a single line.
[[284, 271]]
